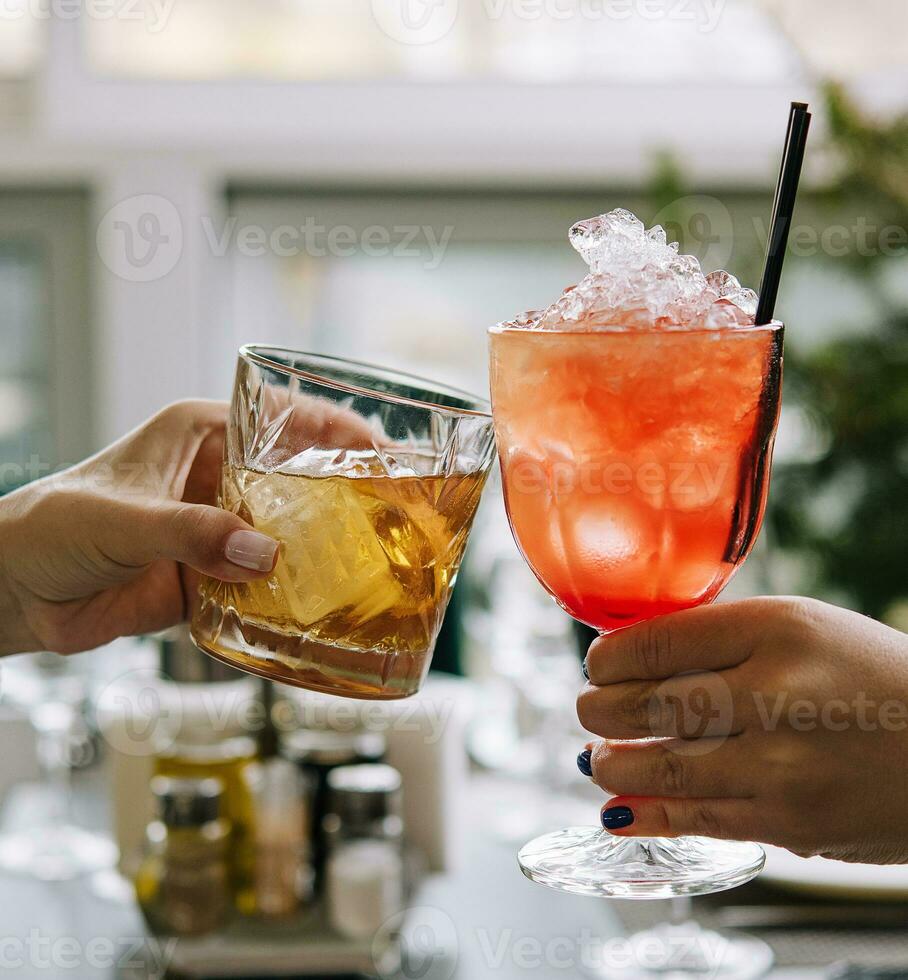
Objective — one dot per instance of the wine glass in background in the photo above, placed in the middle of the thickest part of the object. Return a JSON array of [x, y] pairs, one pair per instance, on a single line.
[[506, 618], [41, 838], [520, 650]]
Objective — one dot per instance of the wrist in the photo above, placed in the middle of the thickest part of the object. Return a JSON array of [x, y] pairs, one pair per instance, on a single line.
[[15, 634]]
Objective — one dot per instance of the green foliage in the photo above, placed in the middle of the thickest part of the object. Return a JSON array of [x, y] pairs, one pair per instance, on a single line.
[[666, 185], [874, 157], [857, 389]]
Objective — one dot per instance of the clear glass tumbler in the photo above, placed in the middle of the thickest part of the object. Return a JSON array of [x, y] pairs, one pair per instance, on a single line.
[[369, 479]]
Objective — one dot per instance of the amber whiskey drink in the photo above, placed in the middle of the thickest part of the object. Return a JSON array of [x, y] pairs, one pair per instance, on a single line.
[[361, 583]]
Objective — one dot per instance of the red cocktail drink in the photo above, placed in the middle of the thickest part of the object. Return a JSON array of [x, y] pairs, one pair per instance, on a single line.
[[635, 462]]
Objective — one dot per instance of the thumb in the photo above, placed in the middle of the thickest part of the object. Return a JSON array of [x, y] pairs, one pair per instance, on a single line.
[[208, 539]]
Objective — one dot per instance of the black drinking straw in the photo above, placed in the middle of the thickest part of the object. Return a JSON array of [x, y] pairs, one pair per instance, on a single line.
[[795, 106], [783, 209]]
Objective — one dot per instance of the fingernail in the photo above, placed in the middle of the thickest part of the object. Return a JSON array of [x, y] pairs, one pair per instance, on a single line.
[[252, 550], [616, 817], [585, 670], [583, 762]]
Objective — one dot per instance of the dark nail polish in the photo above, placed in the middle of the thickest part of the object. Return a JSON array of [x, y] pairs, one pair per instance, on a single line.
[[586, 672], [583, 762], [616, 817]]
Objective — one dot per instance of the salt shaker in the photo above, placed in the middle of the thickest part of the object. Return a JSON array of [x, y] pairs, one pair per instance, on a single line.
[[363, 834]]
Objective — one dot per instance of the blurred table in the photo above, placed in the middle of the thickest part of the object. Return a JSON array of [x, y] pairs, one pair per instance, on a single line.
[[490, 921]]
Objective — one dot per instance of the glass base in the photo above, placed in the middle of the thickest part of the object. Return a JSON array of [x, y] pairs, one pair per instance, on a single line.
[[589, 861], [686, 952], [55, 853], [307, 662]]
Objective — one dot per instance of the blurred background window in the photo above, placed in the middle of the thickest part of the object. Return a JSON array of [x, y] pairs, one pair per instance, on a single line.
[[25, 424], [845, 41], [46, 391], [349, 39]]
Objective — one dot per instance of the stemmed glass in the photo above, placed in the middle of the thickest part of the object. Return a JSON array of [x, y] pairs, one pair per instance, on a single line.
[[52, 691], [635, 466]]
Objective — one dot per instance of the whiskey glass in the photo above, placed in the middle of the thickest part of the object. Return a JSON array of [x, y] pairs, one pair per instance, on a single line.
[[369, 479]]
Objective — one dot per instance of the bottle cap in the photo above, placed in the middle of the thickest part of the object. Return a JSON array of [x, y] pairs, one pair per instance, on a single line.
[[316, 747], [361, 798], [187, 802]]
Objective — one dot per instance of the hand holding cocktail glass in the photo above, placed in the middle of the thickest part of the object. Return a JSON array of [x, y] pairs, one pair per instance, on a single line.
[[635, 421]]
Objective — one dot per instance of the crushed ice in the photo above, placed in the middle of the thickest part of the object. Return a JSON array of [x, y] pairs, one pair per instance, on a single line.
[[637, 279]]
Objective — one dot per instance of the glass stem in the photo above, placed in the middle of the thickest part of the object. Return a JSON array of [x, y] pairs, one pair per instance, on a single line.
[[549, 775], [53, 723], [681, 910]]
